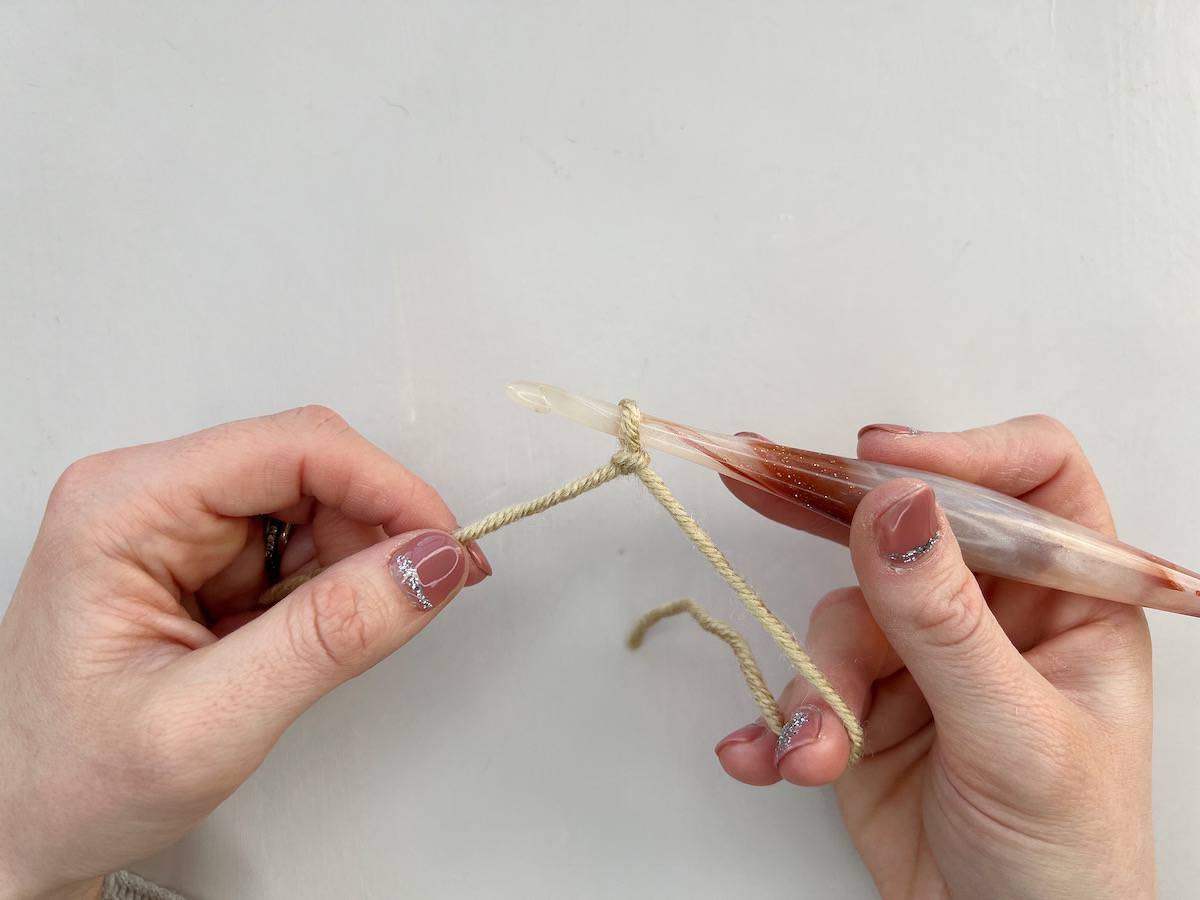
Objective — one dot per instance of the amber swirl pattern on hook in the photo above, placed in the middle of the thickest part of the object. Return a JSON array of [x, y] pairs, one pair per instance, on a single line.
[[631, 459]]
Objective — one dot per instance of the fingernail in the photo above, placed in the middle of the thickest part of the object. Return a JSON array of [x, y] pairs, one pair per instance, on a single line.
[[888, 427], [480, 560], [802, 728], [752, 434], [429, 568], [743, 735], [908, 528]]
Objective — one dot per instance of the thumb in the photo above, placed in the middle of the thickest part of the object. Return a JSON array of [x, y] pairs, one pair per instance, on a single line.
[[330, 629], [933, 613]]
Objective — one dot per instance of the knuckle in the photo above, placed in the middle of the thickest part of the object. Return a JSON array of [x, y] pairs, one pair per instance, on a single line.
[[318, 418], [336, 626], [1049, 424], [1058, 435], [1126, 638], [79, 481], [1048, 436], [953, 611], [313, 418], [84, 472], [160, 757]]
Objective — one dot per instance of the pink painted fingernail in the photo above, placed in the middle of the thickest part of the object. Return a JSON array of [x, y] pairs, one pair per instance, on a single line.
[[801, 729], [743, 735], [889, 428], [753, 434], [909, 528], [480, 560], [429, 569]]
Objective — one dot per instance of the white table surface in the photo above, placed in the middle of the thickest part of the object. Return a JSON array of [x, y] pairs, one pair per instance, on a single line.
[[787, 217]]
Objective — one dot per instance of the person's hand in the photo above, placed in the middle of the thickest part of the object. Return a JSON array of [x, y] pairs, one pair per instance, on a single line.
[[1007, 726], [123, 719]]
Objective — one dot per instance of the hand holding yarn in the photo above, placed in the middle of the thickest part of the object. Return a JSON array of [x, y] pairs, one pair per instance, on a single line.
[[1007, 727]]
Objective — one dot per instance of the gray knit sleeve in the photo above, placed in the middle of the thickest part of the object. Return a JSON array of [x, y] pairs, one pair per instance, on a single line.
[[127, 886]]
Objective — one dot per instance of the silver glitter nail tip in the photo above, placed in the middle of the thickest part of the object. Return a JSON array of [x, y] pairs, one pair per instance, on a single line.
[[405, 571], [791, 728], [916, 552]]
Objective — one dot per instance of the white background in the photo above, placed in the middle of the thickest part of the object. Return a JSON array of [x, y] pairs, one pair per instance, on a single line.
[[780, 216]]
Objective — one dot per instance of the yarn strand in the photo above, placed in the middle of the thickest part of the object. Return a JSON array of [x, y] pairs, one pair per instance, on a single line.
[[726, 632], [631, 459], [630, 436]]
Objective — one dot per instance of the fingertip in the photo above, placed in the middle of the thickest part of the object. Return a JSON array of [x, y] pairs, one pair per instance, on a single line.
[[899, 529], [480, 566], [884, 443], [740, 489], [762, 502], [786, 513], [887, 429], [819, 763], [813, 748], [430, 567], [908, 447], [745, 755]]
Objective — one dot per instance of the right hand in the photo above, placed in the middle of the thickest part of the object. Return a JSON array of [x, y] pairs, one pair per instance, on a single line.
[[1007, 726]]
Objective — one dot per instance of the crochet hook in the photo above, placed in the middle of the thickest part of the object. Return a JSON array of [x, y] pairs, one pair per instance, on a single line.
[[998, 534]]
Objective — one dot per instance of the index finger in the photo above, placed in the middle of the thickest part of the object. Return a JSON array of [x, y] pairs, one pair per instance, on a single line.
[[258, 466], [1035, 458]]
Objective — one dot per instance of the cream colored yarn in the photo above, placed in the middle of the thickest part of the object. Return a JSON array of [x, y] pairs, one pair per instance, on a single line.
[[631, 459]]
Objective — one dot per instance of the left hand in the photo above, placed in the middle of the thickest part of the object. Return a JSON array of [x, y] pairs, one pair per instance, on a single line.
[[123, 719]]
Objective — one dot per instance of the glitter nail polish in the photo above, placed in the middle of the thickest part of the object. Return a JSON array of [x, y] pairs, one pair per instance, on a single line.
[[801, 729], [429, 569]]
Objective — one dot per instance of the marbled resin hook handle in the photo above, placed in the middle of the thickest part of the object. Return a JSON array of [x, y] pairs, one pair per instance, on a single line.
[[999, 535]]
